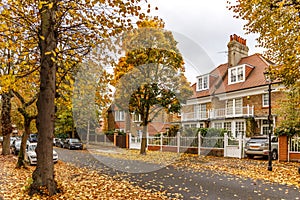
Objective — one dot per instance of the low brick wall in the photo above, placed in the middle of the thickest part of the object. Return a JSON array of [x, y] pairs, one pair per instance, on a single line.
[[283, 153], [192, 150], [295, 157]]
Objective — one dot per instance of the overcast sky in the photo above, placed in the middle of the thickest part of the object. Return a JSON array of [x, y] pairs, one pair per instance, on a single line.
[[202, 29]]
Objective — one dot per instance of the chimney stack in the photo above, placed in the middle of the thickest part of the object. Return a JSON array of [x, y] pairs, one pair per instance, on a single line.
[[237, 49]]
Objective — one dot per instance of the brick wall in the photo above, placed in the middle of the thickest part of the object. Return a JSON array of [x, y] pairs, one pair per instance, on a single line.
[[283, 148], [284, 151], [256, 101]]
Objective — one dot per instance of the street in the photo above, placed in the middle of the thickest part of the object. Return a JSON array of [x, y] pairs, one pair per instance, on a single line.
[[180, 183]]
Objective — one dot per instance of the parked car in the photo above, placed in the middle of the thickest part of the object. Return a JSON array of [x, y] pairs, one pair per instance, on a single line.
[[30, 154], [60, 142], [55, 140], [73, 143], [12, 139], [33, 138], [259, 146], [16, 146]]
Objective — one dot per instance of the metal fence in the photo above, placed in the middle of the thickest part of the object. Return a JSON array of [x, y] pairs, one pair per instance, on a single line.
[[187, 142], [295, 144]]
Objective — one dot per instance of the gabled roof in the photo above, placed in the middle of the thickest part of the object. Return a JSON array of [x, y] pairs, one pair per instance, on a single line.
[[254, 77]]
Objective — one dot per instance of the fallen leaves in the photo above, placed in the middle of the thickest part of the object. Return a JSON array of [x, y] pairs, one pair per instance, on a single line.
[[155, 157], [75, 183], [283, 172]]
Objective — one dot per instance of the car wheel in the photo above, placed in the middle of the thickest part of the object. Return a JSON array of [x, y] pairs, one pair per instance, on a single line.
[[30, 162], [274, 155], [250, 156]]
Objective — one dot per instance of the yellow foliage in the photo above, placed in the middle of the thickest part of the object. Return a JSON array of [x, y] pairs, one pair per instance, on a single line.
[[277, 23]]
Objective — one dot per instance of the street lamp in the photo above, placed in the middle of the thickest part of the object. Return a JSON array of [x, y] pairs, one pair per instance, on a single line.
[[268, 79]]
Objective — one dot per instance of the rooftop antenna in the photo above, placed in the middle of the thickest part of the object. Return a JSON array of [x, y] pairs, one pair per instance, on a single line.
[[223, 52]]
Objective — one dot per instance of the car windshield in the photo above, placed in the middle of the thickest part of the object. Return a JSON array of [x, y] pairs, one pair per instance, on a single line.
[[31, 147], [74, 140], [18, 143], [258, 140]]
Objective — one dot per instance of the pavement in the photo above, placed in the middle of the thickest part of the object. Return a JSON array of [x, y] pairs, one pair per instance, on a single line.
[[179, 182]]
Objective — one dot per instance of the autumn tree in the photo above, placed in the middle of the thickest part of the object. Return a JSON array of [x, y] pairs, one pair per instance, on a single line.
[[25, 95], [289, 112], [150, 76], [92, 94], [14, 59], [29, 113], [65, 77], [6, 72], [62, 30], [277, 23]]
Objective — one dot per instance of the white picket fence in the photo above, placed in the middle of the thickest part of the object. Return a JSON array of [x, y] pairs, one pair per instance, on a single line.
[[232, 147]]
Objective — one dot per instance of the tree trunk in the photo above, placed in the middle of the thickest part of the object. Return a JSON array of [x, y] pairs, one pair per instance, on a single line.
[[6, 122], [21, 156], [43, 176], [127, 122], [144, 141]]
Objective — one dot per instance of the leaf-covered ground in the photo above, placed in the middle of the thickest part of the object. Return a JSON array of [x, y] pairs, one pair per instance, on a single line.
[[75, 183], [80, 183], [283, 172]]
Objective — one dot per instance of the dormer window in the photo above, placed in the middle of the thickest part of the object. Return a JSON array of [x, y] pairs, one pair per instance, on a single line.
[[202, 83], [236, 74]]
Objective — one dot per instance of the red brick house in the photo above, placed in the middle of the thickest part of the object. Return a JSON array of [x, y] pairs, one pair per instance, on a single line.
[[234, 95], [130, 122]]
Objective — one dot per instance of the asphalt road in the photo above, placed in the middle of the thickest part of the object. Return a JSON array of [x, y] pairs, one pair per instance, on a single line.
[[180, 183]]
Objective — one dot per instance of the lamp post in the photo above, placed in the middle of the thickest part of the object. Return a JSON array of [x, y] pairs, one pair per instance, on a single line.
[[269, 120]]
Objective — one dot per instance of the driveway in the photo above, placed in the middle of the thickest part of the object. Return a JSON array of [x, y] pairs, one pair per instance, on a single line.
[[180, 182]]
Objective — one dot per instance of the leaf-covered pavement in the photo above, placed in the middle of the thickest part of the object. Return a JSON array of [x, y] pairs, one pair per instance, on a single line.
[[75, 183], [181, 180], [283, 172]]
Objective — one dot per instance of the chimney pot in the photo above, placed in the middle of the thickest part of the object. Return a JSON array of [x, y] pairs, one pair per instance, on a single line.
[[236, 50]]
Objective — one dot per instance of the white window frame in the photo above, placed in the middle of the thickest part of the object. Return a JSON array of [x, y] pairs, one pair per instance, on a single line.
[[120, 129], [238, 106], [267, 129], [236, 126], [203, 111], [119, 116], [265, 102], [265, 124], [234, 107], [203, 83], [228, 128], [229, 106], [200, 111], [236, 74], [187, 126], [136, 117], [218, 125]]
